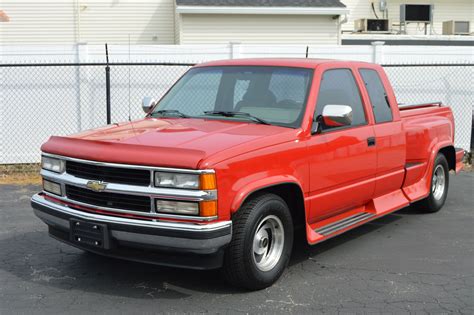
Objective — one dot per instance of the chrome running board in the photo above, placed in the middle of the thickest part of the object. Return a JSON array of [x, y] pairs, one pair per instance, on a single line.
[[344, 223]]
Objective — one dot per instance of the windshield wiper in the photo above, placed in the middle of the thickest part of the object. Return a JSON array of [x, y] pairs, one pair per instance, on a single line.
[[165, 112], [233, 114]]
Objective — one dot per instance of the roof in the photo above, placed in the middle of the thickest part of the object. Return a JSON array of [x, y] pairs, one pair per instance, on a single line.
[[263, 3], [276, 62]]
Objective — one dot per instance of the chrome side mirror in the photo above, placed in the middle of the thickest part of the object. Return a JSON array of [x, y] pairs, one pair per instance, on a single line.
[[147, 103], [337, 115]]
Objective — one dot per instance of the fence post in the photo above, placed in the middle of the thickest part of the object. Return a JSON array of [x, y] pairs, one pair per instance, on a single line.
[[81, 51], [377, 52], [234, 48], [107, 85]]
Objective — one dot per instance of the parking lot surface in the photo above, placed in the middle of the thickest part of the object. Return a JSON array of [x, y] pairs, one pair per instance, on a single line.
[[407, 262]]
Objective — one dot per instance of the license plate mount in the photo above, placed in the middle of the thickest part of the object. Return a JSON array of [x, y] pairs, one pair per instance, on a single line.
[[89, 234]]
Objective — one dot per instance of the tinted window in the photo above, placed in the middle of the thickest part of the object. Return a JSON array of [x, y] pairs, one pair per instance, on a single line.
[[338, 87], [197, 93], [289, 85], [274, 94], [241, 87], [377, 95]]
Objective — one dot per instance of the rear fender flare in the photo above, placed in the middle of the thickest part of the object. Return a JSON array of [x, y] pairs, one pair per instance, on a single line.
[[436, 148], [434, 152]]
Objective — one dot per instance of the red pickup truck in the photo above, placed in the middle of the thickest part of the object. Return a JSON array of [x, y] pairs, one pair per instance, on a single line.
[[236, 156]]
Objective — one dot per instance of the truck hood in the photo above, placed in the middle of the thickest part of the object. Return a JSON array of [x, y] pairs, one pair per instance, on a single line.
[[173, 142]]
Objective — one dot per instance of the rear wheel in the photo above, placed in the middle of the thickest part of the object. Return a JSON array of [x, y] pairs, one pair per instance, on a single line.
[[262, 239], [439, 186]]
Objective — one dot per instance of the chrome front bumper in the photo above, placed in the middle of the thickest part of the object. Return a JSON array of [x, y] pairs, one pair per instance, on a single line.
[[194, 238]]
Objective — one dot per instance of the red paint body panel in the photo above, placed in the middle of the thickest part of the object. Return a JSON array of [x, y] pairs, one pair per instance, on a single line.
[[342, 171], [428, 129], [171, 142], [337, 172]]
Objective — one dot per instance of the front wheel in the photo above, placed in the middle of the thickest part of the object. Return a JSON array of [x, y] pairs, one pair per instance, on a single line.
[[262, 239], [439, 186]]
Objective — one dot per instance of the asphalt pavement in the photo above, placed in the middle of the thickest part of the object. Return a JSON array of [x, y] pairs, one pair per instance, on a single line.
[[406, 262]]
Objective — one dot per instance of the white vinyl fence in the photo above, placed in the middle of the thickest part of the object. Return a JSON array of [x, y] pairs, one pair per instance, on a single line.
[[40, 96]]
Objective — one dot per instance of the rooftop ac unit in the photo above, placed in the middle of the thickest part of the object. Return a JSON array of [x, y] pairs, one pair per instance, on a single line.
[[422, 13], [456, 28], [371, 25]]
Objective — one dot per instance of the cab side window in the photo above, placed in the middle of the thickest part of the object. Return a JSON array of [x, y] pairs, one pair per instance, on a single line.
[[377, 94], [338, 87]]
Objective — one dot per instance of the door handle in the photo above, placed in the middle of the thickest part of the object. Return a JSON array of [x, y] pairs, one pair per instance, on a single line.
[[371, 141]]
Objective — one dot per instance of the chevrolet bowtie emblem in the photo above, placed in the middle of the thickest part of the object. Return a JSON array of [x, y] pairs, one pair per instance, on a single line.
[[96, 185]]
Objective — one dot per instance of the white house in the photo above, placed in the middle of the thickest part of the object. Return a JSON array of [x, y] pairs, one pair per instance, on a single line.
[[310, 22], [259, 21], [443, 10], [171, 22]]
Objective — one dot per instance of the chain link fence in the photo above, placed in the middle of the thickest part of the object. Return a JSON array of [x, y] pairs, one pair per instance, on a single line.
[[451, 84], [40, 100]]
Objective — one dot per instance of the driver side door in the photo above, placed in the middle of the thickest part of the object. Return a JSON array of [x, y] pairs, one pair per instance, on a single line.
[[342, 159]]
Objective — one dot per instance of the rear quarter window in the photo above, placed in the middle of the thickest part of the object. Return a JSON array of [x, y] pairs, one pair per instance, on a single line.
[[378, 95]]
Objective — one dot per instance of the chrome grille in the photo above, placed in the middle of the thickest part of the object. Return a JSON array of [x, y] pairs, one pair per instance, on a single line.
[[109, 174], [125, 187], [109, 200]]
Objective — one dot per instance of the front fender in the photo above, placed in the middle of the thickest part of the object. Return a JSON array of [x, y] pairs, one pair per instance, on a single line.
[[248, 186]]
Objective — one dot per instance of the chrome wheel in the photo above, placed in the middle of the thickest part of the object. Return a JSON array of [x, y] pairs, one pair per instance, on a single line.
[[268, 243], [438, 182]]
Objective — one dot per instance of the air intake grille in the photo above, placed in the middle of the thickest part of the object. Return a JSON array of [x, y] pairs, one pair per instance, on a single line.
[[109, 200], [109, 174]]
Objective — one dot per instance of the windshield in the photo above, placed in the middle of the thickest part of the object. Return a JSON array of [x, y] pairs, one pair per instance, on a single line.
[[273, 95]]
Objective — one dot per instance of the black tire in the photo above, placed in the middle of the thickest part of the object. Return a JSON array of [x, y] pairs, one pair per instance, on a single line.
[[240, 266], [435, 201]]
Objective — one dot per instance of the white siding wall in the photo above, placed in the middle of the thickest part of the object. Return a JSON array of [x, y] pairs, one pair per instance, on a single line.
[[258, 29], [177, 27], [444, 10], [147, 21], [358, 9], [38, 22], [93, 21]]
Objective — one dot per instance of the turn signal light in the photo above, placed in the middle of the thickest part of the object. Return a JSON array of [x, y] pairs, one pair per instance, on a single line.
[[208, 181], [208, 208]]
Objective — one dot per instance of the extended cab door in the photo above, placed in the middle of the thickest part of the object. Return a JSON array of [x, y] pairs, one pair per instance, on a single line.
[[342, 159], [390, 141]]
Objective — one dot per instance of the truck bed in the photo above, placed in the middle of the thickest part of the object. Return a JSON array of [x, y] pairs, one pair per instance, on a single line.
[[421, 131], [426, 126]]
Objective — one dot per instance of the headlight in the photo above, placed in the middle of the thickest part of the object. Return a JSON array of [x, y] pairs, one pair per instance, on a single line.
[[205, 181], [203, 208], [52, 164], [177, 207], [176, 180], [51, 187]]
